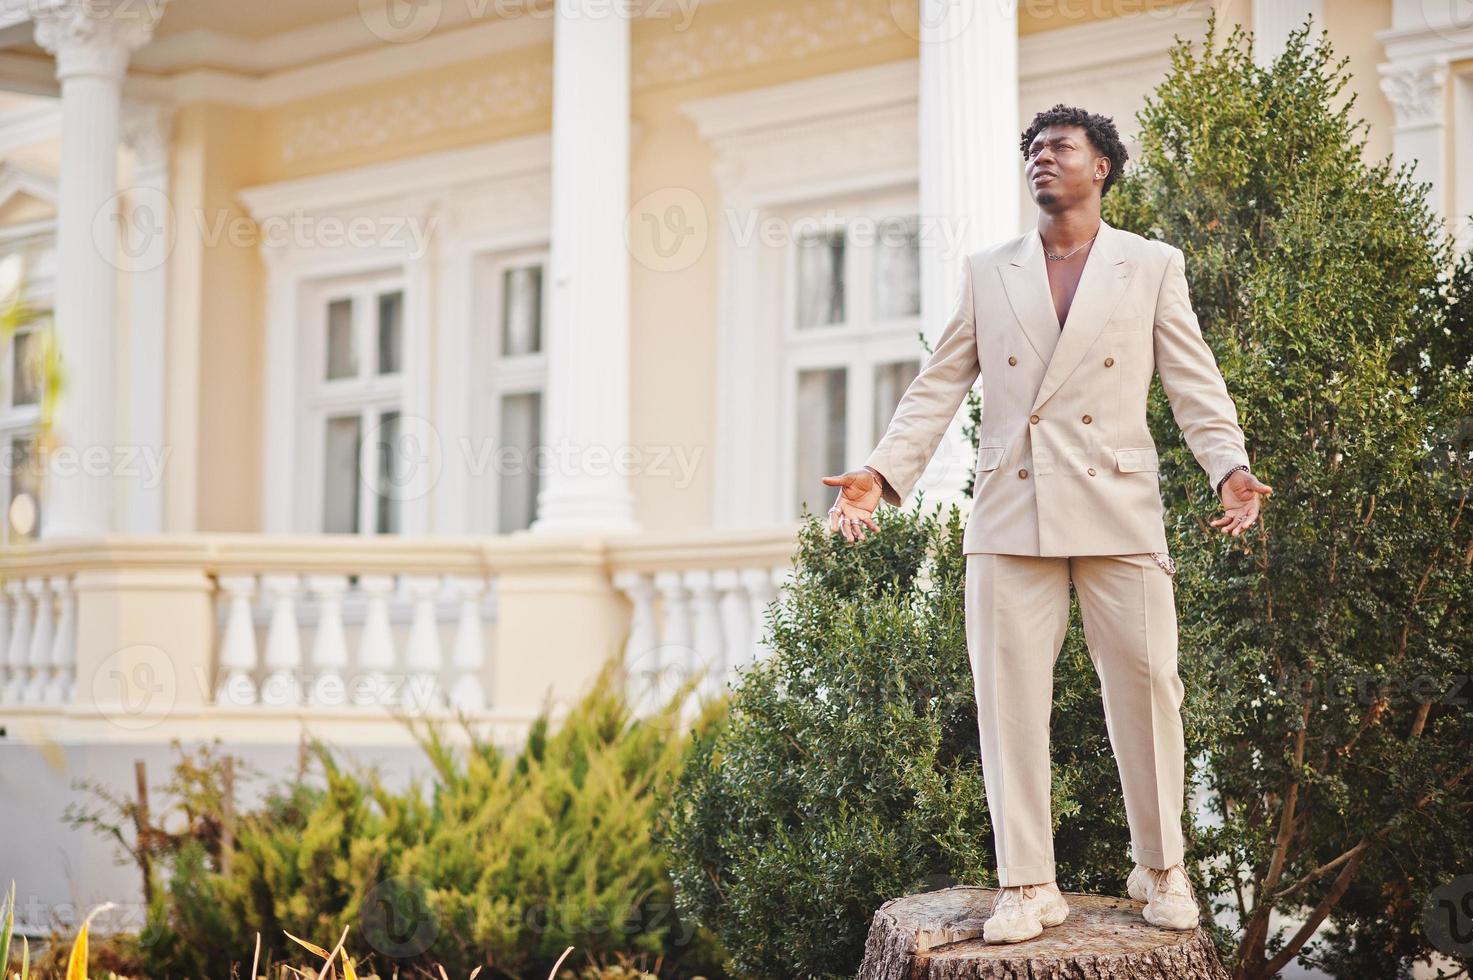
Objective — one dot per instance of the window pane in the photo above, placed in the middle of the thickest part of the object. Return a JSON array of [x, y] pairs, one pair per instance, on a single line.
[[25, 478], [898, 268], [820, 427], [521, 311], [342, 359], [521, 433], [340, 476], [390, 332], [821, 278], [891, 380], [25, 380], [390, 471]]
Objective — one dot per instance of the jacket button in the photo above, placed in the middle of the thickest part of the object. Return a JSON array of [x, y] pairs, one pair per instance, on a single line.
[[1012, 360], [1109, 361], [1091, 471], [1033, 419], [1087, 420], [1022, 474]]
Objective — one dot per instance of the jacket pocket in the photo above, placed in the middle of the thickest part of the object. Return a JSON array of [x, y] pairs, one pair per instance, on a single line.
[[988, 457], [1136, 460]]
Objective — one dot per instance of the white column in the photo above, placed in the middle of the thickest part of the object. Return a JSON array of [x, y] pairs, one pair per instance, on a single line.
[[970, 172], [1274, 19], [587, 431], [148, 226], [1417, 91], [92, 41]]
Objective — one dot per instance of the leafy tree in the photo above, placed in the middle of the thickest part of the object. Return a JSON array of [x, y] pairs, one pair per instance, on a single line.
[[1340, 631], [847, 771]]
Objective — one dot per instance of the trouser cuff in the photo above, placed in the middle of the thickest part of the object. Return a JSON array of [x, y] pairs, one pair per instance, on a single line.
[[1028, 874]]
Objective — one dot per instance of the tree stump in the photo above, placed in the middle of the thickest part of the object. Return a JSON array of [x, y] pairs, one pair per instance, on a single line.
[[938, 936]]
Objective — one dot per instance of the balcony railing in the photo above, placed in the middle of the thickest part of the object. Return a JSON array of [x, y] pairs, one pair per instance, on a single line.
[[148, 627]]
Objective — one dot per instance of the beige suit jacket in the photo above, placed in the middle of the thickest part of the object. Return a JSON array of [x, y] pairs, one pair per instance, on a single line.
[[1065, 461]]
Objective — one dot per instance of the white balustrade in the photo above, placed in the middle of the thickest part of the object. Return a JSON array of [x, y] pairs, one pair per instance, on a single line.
[[16, 638], [330, 644], [390, 624], [422, 689], [372, 685], [693, 620], [282, 685], [63, 683], [42, 636], [238, 644], [467, 692]]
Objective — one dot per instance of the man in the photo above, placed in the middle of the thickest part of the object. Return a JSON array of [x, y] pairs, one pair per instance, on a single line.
[[1066, 325]]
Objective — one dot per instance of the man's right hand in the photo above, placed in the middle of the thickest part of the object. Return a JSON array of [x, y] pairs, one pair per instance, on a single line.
[[859, 494]]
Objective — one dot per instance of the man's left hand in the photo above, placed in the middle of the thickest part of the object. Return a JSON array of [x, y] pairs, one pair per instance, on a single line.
[[1240, 501]]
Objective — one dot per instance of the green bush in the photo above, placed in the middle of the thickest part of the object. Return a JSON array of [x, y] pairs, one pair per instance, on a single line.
[[848, 769], [501, 862], [1340, 631], [847, 772]]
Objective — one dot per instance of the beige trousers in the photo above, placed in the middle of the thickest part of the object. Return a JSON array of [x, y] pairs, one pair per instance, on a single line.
[[1017, 612]]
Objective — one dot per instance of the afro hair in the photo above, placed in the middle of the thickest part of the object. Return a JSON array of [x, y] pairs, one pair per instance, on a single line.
[[1100, 130]]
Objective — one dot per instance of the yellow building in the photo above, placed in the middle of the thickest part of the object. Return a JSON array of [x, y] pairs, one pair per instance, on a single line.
[[422, 354]]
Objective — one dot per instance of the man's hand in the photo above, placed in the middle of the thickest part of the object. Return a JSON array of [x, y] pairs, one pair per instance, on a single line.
[[1240, 499], [859, 495]]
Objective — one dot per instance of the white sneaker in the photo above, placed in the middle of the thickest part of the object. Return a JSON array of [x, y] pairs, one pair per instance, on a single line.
[[1021, 912], [1167, 892]]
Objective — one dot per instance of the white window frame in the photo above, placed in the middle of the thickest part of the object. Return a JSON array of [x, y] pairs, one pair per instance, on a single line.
[[859, 345], [495, 376], [848, 133], [35, 241], [368, 395], [487, 197]]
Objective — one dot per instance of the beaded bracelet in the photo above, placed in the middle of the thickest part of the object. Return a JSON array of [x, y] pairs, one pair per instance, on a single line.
[[1240, 466]]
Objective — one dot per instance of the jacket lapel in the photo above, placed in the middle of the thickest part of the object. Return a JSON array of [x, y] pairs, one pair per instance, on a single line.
[[1101, 285]]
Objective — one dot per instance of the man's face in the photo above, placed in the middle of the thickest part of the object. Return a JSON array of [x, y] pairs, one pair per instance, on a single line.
[[1061, 166]]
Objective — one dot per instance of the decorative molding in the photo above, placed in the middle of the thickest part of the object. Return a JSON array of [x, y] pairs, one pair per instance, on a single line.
[[146, 128], [773, 142], [94, 37], [767, 37], [17, 180], [1103, 47], [509, 94], [504, 160], [1415, 92]]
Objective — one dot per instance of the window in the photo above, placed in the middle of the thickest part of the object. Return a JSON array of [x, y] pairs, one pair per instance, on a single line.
[[21, 389], [851, 346], [353, 403], [511, 378]]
